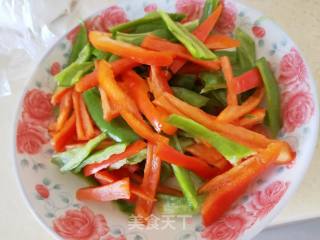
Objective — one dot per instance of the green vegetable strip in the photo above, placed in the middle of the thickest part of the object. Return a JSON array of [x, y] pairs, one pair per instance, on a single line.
[[117, 129], [84, 54], [190, 97], [246, 52], [231, 150], [273, 96], [74, 157], [197, 48], [186, 81], [80, 41], [149, 18], [176, 205], [184, 179], [212, 81], [209, 7], [102, 155], [232, 55], [100, 54], [72, 74]]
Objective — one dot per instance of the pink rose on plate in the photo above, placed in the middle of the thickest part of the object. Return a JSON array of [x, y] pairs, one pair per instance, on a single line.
[[191, 8], [30, 138], [81, 225], [227, 20], [150, 8], [37, 107], [230, 226], [258, 31], [55, 68], [112, 16], [264, 201], [292, 68], [297, 109], [42, 190]]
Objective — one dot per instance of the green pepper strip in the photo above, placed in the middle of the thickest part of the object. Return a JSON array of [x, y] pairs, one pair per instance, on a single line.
[[273, 96], [209, 7], [117, 129], [184, 179], [231, 150], [197, 48], [80, 41], [190, 97]]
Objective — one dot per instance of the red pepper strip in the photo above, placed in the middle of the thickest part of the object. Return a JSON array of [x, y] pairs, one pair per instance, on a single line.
[[113, 90], [198, 166], [149, 184], [287, 155], [233, 112], [247, 81], [65, 110], [201, 32], [87, 123], [103, 42], [218, 41], [131, 150], [158, 81], [158, 44], [167, 106], [142, 129], [91, 80], [58, 96], [114, 191], [232, 99], [239, 134], [79, 126], [139, 92], [109, 110], [167, 128], [253, 118], [63, 137], [106, 177], [226, 188], [209, 154]]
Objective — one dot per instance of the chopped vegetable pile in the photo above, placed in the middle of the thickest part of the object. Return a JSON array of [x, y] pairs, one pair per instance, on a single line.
[[160, 112]]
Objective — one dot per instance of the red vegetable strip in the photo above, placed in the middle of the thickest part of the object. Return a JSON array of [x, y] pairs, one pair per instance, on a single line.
[[106, 177], [228, 75], [109, 110], [239, 134], [218, 41], [158, 44], [226, 188], [65, 110], [234, 112], [198, 166], [87, 123], [58, 96], [253, 118], [158, 81], [103, 42], [63, 137], [114, 191], [79, 126], [88, 81], [122, 65], [167, 106], [131, 150], [247, 81], [149, 184]]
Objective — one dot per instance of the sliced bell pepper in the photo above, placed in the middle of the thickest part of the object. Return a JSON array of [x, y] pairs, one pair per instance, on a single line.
[[106, 177], [123, 64], [253, 118], [233, 112], [232, 151], [193, 44], [87, 123], [66, 108], [130, 151], [218, 41], [239, 134], [226, 188], [209, 7], [232, 99], [86, 82], [57, 97], [139, 92], [190, 97], [248, 80], [209, 154], [201, 32], [80, 41], [158, 44], [198, 166], [273, 96], [149, 184], [158, 81], [116, 190], [103, 42], [117, 129], [63, 137], [167, 128], [109, 109], [79, 126], [167, 106]]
